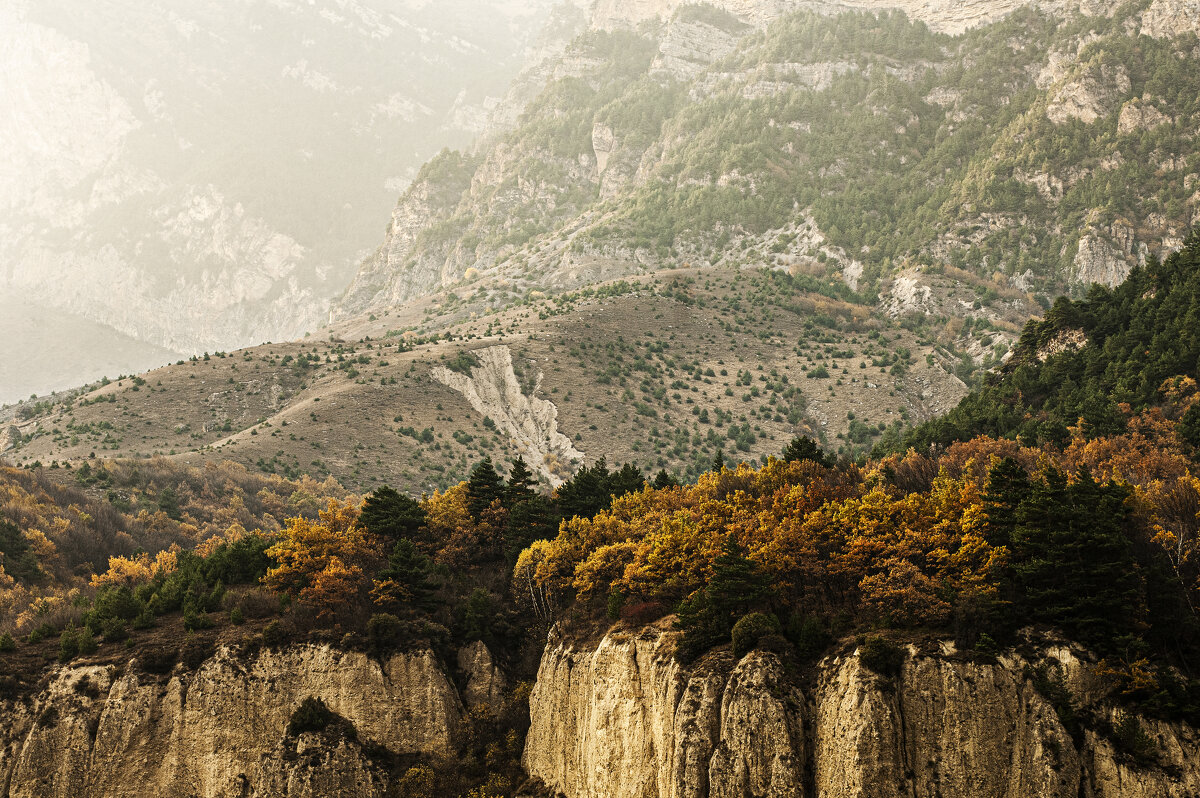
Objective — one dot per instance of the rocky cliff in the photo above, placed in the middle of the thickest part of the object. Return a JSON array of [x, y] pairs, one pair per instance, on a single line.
[[621, 718], [219, 730]]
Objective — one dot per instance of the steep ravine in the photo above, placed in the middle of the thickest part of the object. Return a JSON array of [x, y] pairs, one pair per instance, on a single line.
[[621, 719]]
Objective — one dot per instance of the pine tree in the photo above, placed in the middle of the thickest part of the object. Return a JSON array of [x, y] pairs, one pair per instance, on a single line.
[[411, 571], [663, 480], [805, 448], [521, 482], [738, 587], [391, 515], [1008, 486], [483, 488], [718, 464], [1075, 565]]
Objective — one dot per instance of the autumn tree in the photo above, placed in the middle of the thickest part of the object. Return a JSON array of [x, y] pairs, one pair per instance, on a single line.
[[324, 564]]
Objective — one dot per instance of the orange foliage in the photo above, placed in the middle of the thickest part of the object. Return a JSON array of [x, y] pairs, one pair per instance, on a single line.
[[323, 563]]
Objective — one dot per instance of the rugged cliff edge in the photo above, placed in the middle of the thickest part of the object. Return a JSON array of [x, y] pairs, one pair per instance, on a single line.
[[220, 730], [621, 719]]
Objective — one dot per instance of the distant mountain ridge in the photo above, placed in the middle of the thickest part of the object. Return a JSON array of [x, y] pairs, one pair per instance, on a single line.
[[202, 176], [1031, 152]]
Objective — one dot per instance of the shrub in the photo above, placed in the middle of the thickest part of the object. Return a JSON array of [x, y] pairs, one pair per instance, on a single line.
[[384, 631], [194, 621], [68, 645], [195, 651], [643, 612], [809, 635], [311, 716], [616, 600], [158, 660], [750, 629], [882, 656], [257, 603], [7, 643], [1131, 739], [236, 617], [274, 634], [42, 632], [114, 630], [87, 643]]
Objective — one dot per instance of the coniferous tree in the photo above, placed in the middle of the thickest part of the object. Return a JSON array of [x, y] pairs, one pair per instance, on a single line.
[[805, 448], [412, 574], [15, 555], [718, 464], [521, 482], [392, 515], [483, 488], [738, 587], [663, 480], [1075, 566], [1008, 486]]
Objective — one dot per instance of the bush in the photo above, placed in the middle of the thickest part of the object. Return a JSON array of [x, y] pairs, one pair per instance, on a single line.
[[158, 660], [616, 600], [257, 603], [384, 631], [274, 634], [236, 617], [1131, 739], [194, 652], [86, 642], [68, 645], [882, 656], [809, 635], [750, 629], [7, 643], [114, 630], [311, 716], [145, 620], [42, 632], [194, 621], [643, 612]]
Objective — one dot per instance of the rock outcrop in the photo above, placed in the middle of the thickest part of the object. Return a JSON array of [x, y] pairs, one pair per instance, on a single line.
[[494, 391], [220, 730], [621, 718]]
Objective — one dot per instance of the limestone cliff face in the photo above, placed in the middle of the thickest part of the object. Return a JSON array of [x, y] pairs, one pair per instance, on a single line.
[[622, 718], [220, 730]]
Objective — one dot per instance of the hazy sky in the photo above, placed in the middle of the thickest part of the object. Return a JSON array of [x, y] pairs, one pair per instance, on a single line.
[[185, 176]]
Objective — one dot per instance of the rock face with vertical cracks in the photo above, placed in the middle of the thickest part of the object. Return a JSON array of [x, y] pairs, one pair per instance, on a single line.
[[621, 719], [220, 730], [531, 422]]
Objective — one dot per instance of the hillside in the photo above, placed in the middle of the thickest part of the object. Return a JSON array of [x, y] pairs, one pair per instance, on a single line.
[[661, 370], [1040, 152], [1092, 363]]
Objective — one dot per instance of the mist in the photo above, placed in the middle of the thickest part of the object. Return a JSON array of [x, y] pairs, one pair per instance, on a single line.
[[181, 177]]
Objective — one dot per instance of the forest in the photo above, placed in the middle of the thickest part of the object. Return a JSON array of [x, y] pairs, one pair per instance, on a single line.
[[1060, 499]]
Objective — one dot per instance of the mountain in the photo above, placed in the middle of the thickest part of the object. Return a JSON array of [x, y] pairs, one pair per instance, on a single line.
[[1045, 150], [201, 176], [1092, 363]]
